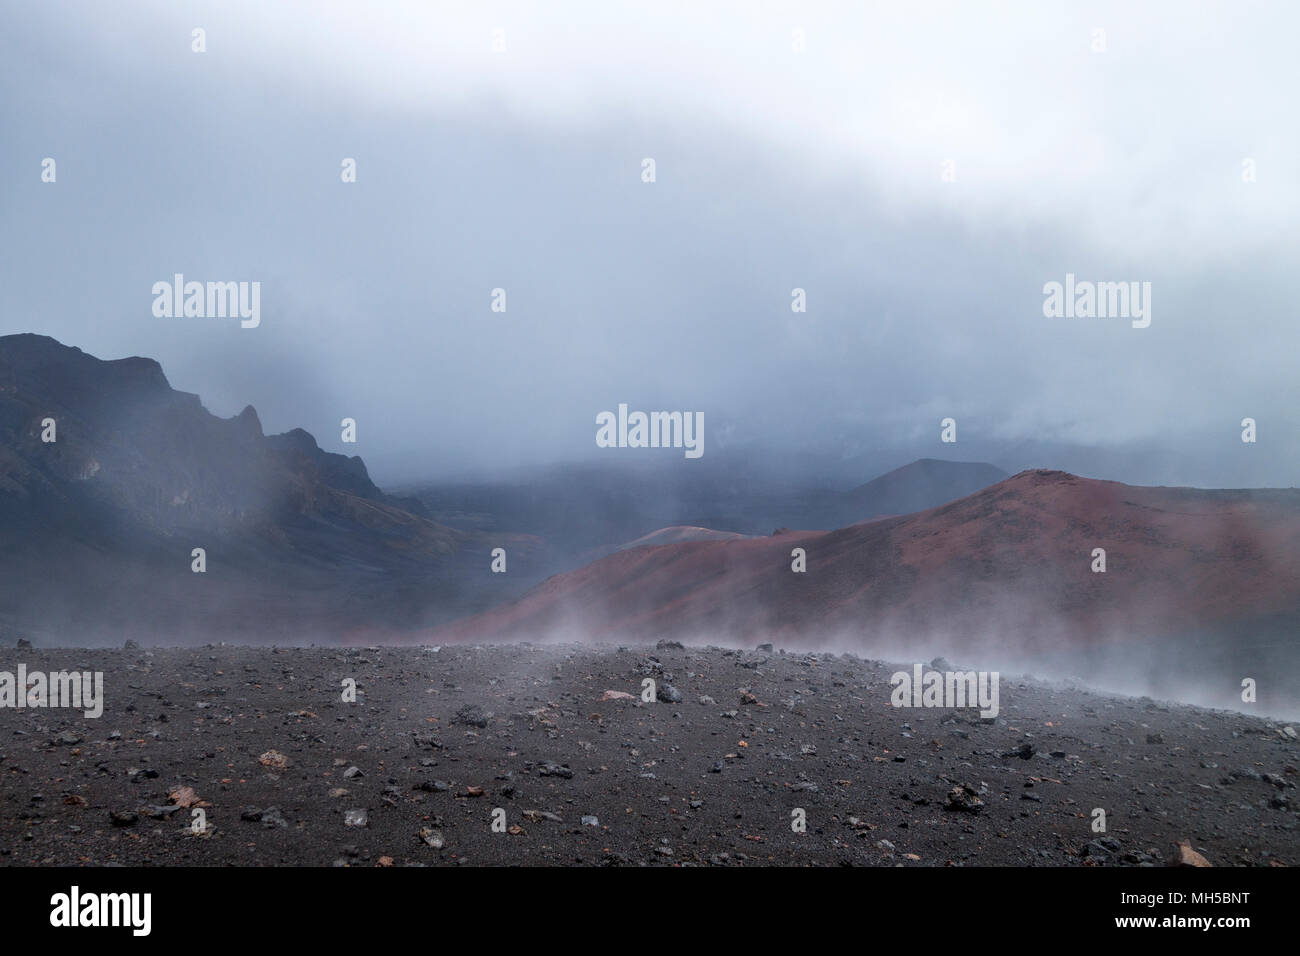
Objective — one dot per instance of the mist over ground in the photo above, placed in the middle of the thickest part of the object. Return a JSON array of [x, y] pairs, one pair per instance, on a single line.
[[915, 179]]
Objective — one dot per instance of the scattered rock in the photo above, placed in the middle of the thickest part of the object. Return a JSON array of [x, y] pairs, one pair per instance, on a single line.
[[964, 798], [537, 816], [274, 760], [1184, 855], [1101, 850], [157, 812], [270, 818], [471, 715], [186, 797]]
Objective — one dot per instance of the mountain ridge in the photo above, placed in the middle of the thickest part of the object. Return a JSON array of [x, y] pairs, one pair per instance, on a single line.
[[142, 474]]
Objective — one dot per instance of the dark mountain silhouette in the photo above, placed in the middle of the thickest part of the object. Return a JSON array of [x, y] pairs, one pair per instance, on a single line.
[[97, 527]]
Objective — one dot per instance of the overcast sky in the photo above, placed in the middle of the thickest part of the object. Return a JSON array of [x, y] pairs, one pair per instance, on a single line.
[[775, 169]]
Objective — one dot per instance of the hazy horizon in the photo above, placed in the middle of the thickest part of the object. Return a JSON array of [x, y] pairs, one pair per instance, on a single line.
[[920, 174]]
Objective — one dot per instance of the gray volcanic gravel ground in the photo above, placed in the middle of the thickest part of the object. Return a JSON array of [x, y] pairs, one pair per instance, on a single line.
[[411, 772]]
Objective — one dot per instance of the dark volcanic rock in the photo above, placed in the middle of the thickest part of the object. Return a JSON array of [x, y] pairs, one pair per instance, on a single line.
[[964, 797], [563, 758], [471, 715]]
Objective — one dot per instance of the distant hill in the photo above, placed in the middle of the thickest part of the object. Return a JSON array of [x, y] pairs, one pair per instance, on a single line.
[[674, 535], [582, 510], [97, 527], [1012, 558], [678, 534], [922, 484], [1191, 575]]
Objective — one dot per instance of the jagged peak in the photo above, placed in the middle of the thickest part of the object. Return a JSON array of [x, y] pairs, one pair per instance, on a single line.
[[298, 439], [248, 419]]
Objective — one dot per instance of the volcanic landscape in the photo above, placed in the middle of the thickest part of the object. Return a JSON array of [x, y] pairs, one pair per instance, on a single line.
[[558, 737], [302, 668]]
